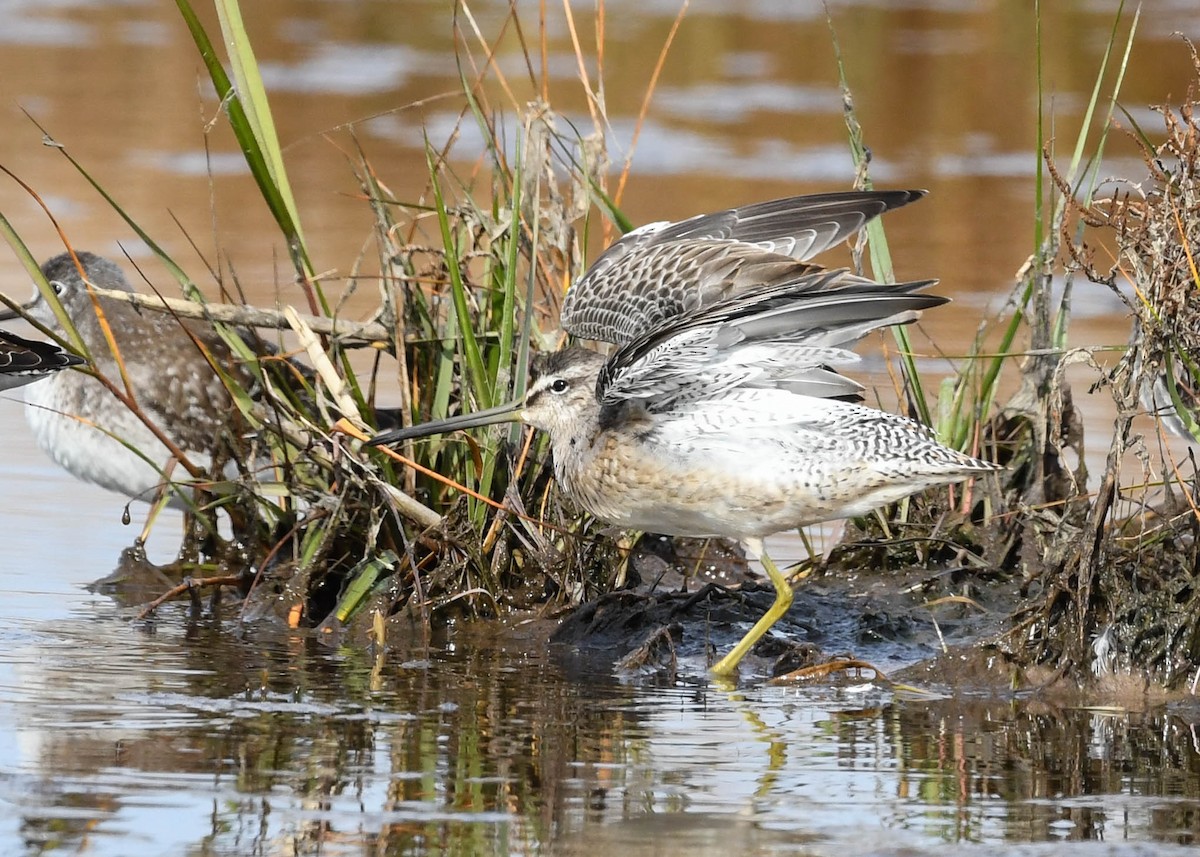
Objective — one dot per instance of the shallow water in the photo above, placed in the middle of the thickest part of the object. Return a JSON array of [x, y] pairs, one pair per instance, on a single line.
[[177, 737], [171, 737]]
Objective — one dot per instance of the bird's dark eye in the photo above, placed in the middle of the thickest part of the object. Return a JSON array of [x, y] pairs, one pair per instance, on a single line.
[[58, 286], [559, 385]]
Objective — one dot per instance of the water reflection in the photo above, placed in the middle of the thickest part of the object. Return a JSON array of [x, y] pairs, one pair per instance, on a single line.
[[216, 739]]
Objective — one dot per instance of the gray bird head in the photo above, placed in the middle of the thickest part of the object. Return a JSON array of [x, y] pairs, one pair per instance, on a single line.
[[562, 399], [62, 274]]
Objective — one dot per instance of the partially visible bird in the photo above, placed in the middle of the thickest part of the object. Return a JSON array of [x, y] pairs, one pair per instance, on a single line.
[[23, 361], [169, 364], [721, 413]]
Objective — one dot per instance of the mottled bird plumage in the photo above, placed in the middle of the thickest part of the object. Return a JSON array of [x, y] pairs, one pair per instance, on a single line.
[[664, 270], [736, 411], [170, 377]]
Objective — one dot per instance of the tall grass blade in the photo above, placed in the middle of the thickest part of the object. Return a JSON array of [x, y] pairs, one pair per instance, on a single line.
[[476, 373], [881, 259], [35, 274], [1044, 247], [250, 120]]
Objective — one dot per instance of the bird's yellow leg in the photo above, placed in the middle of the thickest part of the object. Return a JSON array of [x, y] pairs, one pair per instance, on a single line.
[[783, 600]]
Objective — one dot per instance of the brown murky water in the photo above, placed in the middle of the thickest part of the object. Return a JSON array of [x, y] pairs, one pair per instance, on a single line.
[[217, 738]]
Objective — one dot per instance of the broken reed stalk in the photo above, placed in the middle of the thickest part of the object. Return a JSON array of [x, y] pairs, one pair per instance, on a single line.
[[249, 316]]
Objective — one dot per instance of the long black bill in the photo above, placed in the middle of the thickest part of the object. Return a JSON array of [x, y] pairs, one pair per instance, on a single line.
[[506, 413]]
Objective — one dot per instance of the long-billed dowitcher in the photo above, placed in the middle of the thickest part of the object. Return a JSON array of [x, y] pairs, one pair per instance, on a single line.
[[169, 365], [721, 413], [23, 361]]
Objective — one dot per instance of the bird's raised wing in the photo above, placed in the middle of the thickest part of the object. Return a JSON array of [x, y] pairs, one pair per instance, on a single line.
[[662, 270], [783, 337]]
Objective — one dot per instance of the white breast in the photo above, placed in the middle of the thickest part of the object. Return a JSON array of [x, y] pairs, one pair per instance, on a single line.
[[77, 422]]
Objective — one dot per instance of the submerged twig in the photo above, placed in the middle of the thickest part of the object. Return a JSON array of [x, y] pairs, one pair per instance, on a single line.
[[190, 585]]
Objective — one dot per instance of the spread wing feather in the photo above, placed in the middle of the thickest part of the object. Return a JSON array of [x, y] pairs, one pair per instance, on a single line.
[[663, 270], [781, 337]]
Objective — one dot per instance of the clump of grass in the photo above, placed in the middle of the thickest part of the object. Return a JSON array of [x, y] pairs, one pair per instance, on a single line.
[[946, 525], [469, 293]]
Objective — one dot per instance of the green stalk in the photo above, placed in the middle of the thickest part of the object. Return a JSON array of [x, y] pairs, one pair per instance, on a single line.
[[363, 578], [476, 373], [987, 392], [881, 259], [35, 273], [504, 349], [249, 115]]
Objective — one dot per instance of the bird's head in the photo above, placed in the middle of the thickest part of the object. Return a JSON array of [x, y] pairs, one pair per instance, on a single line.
[[561, 399]]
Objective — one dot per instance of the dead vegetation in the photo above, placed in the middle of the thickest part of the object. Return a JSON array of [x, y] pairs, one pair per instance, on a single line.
[[1114, 591]]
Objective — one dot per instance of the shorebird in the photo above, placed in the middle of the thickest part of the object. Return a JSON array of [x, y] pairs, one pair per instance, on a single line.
[[169, 366], [721, 413], [23, 361]]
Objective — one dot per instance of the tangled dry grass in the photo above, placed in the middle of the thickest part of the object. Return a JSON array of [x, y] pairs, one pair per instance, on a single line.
[[1116, 592]]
